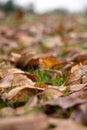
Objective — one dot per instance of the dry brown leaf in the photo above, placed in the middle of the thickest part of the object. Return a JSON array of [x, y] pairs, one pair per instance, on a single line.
[[36, 59], [65, 124], [7, 45], [35, 121], [74, 88], [41, 85], [6, 81], [21, 94], [51, 93], [80, 57], [14, 78], [19, 111], [26, 40], [68, 101], [7, 112], [80, 113], [27, 58], [52, 62], [20, 80], [78, 75], [33, 101]]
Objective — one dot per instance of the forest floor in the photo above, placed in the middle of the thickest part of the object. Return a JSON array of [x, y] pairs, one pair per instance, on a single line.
[[43, 72]]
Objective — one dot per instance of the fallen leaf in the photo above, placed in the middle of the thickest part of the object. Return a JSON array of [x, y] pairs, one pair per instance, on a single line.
[[7, 112], [51, 93], [65, 124], [80, 113], [22, 94], [32, 102], [19, 111], [74, 88], [80, 57], [35, 121], [14, 78], [25, 40], [78, 75], [68, 101], [52, 62]]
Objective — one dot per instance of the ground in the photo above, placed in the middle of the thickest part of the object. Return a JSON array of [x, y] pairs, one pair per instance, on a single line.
[[43, 71]]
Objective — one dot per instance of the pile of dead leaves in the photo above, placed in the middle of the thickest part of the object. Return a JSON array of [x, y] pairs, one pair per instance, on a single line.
[[43, 74]]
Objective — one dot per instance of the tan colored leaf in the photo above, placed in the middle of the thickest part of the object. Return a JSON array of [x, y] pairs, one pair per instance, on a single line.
[[51, 93], [80, 113], [74, 88], [22, 94], [80, 57], [78, 75], [65, 124], [69, 101], [19, 111], [7, 112], [28, 58], [25, 40], [34, 121], [14, 78], [32, 102]]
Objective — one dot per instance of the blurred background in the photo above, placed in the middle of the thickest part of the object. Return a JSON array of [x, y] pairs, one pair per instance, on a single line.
[[43, 6], [55, 26]]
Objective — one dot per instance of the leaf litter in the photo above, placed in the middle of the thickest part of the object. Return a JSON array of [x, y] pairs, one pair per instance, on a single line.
[[43, 73]]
